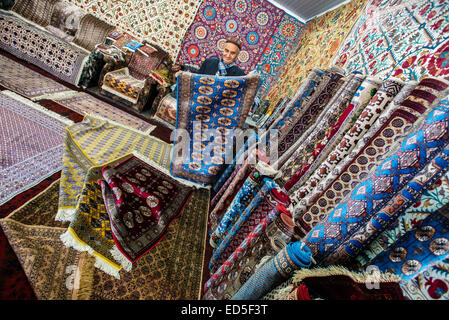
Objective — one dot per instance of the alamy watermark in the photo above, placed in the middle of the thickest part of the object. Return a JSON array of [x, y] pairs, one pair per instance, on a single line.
[[222, 145], [372, 277], [73, 280]]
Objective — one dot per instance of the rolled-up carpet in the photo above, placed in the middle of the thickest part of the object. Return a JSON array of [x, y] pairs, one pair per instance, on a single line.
[[294, 256]]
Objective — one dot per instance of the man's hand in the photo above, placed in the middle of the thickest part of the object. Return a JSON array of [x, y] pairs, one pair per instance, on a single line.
[[177, 73]]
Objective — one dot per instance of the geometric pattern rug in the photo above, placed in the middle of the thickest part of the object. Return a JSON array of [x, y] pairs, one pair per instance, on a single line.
[[84, 103], [94, 142], [95, 229], [89, 146], [14, 284], [369, 196], [210, 109], [54, 271], [60, 58], [27, 82], [172, 270], [31, 146]]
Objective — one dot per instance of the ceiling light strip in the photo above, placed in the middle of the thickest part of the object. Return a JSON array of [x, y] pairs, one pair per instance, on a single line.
[[294, 15]]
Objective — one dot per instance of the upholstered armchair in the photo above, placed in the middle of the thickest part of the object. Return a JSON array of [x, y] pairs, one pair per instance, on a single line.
[[131, 81]]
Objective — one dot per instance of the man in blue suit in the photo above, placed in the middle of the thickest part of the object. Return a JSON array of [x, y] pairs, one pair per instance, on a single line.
[[224, 66]]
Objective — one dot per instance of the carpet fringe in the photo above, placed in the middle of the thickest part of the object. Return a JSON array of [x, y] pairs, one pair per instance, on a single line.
[[56, 95], [65, 215], [359, 277], [283, 290], [70, 242], [120, 258], [106, 268]]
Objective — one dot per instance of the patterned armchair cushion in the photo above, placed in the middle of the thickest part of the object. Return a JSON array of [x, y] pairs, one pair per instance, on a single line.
[[122, 84], [92, 31], [38, 11]]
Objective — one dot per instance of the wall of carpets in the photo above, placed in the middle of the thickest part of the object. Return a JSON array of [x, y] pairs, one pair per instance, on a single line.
[[278, 50], [318, 43], [254, 22], [402, 39], [160, 21], [193, 30]]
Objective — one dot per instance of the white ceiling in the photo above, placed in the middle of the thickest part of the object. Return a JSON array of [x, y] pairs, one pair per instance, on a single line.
[[305, 10]]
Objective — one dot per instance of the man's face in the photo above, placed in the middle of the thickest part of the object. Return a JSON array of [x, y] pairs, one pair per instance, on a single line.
[[230, 53]]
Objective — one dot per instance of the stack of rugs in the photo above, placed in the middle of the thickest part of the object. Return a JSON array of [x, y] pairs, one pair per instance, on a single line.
[[350, 191], [109, 221]]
